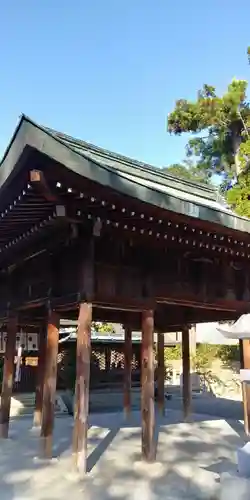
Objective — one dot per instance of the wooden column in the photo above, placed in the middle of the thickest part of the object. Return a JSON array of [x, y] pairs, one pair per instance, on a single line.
[[147, 389], [107, 358], [50, 375], [8, 373], [82, 387], [127, 370], [186, 386], [37, 421], [161, 374], [245, 363]]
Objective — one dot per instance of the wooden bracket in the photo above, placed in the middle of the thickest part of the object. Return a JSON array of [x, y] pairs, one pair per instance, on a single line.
[[38, 181], [40, 184]]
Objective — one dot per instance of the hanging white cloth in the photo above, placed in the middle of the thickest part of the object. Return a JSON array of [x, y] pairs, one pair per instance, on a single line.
[[18, 365]]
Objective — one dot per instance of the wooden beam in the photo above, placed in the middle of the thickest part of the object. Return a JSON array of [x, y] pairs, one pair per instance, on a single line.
[[37, 421], [161, 374], [50, 376], [186, 385], [82, 387], [245, 363], [8, 372], [147, 381], [127, 370]]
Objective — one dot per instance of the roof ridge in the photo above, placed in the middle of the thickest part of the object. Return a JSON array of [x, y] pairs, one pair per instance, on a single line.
[[129, 161], [181, 184]]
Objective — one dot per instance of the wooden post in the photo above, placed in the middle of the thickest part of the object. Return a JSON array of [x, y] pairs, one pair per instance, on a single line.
[[8, 373], [127, 370], [147, 381], [107, 358], [82, 387], [161, 374], [50, 375], [245, 363], [37, 421], [186, 386]]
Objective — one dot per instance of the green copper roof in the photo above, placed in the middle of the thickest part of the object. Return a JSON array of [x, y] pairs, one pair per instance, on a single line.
[[127, 176], [138, 170]]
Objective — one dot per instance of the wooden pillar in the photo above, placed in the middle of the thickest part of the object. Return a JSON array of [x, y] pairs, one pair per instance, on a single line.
[[127, 370], [186, 385], [8, 373], [50, 376], [161, 374], [83, 351], [107, 358], [37, 421], [245, 363], [147, 389]]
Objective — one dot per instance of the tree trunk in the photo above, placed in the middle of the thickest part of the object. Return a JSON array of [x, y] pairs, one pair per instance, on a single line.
[[236, 142]]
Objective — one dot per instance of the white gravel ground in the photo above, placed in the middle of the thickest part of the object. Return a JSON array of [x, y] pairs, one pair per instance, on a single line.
[[190, 458]]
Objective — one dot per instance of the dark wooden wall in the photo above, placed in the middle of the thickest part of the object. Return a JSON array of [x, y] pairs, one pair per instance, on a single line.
[[123, 273], [107, 367]]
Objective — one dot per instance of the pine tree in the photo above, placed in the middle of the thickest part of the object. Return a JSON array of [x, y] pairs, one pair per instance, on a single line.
[[223, 120]]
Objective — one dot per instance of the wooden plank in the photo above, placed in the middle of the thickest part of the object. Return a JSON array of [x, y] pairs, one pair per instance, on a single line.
[[186, 381], [161, 374], [49, 390], [86, 270], [127, 370], [147, 389], [245, 363], [8, 372], [37, 421], [83, 351]]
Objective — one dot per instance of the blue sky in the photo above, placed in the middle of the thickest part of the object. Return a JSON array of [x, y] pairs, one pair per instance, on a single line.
[[109, 71]]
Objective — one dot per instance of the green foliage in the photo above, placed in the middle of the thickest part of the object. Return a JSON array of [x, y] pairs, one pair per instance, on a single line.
[[229, 353], [205, 355], [214, 155], [202, 361], [224, 149], [189, 172], [101, 327], [244, 155], [209, 110], [222, 118], [172, 353], [248, 54], [238, 197]]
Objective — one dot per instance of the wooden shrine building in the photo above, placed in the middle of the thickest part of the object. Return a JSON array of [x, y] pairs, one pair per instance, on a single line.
[[91, 235]]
